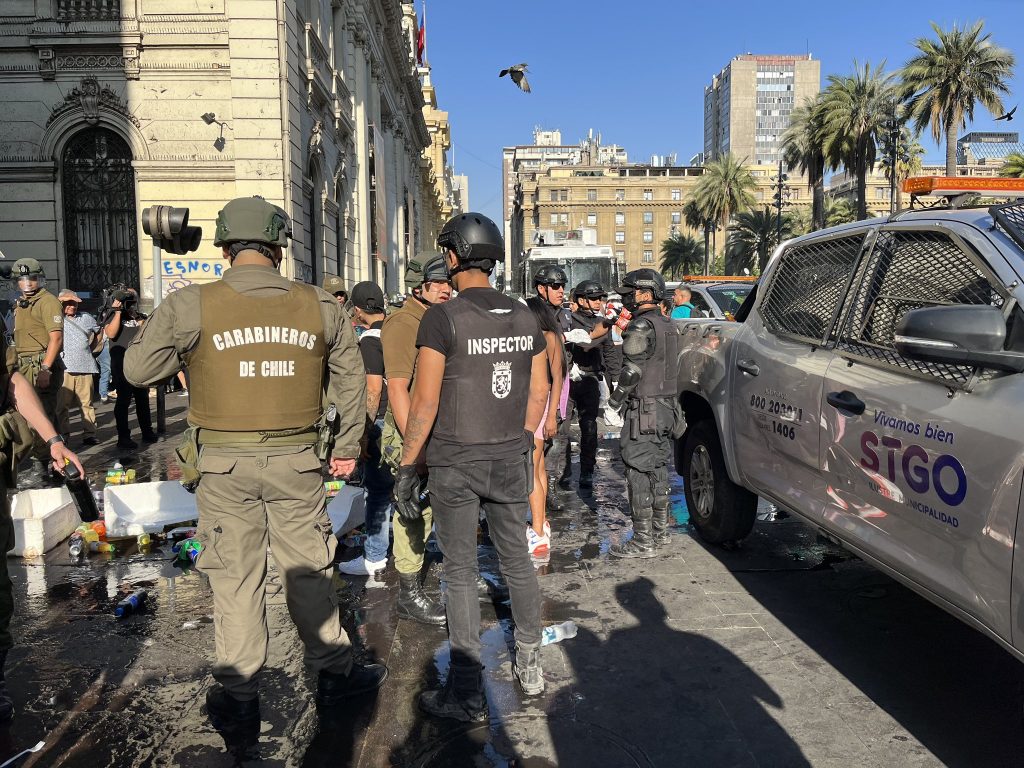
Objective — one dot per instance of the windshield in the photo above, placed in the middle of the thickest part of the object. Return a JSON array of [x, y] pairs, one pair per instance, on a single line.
[[729, 297]]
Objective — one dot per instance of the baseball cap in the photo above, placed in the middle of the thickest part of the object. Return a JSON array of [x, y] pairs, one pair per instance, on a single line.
[[368, 296], [333, 284], [68, 295]]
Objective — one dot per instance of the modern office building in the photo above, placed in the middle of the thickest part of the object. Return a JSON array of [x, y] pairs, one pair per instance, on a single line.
[[748, 104]]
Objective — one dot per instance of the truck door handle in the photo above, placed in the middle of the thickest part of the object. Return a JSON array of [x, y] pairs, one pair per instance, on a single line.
[[846, 401], [748, 366]]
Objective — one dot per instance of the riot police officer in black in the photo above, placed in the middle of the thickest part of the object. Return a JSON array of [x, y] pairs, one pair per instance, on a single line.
[[550, 282], [481, 386], [647, 388], [587, 370]]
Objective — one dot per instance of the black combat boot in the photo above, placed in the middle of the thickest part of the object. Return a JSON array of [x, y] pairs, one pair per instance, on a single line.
[[642, 543], [228, 712], [586, 478], [660, 525], [462, 697], [414, 604], [527, 669], [6, 704], [334, 687]]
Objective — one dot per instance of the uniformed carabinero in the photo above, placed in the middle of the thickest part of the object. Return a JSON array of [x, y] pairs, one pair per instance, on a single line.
[[481, 385], [263, 355], [648, 390], [38, 339]]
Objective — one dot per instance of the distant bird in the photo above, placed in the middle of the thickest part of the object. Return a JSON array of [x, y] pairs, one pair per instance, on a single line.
[[1008, 116], [518, 74]]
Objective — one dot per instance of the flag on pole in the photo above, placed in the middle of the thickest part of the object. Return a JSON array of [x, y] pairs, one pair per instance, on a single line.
[[421, 39]]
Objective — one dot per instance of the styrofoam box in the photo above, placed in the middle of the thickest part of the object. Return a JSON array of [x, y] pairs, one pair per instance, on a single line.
[[129, 510], [43, 518]]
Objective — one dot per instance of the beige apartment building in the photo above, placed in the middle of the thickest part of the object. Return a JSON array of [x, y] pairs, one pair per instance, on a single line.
[[633, 208], [747, 106], [111, 106]]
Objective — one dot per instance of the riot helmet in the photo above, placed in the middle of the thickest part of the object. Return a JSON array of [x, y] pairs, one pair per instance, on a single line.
[[29, 274], [550, 274], [252, 223], [475, 240], [641, 280]]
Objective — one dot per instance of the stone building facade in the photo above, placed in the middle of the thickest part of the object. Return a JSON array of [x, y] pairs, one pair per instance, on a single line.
[[115, 105]]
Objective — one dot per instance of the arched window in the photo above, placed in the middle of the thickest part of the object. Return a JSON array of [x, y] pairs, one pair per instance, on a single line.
[[98, 192]]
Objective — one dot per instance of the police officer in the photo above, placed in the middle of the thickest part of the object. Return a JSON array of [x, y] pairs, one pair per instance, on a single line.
[[335, 286], [648, 390], [586, 373], [550, 281], [17, 393], [262, 351], [38, 339], [430, 285], [481, 380]]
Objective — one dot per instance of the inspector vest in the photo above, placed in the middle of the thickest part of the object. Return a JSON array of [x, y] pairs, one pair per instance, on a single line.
[[487, 374], [259, 363], [661, 369]]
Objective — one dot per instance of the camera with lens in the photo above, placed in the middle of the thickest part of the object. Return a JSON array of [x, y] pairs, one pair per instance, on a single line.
[[117, 292]]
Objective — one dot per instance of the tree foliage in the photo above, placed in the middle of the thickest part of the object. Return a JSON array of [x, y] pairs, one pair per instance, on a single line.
[[681, 255]]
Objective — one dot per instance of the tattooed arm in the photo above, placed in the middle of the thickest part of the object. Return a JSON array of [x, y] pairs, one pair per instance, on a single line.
[[425, 399], [374, 386]]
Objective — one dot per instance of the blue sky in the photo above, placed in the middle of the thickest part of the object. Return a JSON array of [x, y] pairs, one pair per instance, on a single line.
[[636, 71]]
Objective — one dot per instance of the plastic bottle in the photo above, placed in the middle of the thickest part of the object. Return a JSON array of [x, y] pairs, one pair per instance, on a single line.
[[87, 532], [333, 486], [76, 545], [101, 529], [188, 550], [182, 532], [556, 633], [144, 540], [101, 546], [131, 604]]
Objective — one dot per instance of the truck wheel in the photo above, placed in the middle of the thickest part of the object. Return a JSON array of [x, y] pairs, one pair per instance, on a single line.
[[720, 510]]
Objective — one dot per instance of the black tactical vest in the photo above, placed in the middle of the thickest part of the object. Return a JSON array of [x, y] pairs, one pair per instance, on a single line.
[[487, 374], [661, 370], [589, 360]]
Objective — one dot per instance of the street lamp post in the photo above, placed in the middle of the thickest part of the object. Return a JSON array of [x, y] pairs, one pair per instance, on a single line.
[[780, 201]]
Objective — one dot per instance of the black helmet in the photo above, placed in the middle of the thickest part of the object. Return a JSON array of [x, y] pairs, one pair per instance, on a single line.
[[644, 280], [589, 289], [550, 274], [475, 240]]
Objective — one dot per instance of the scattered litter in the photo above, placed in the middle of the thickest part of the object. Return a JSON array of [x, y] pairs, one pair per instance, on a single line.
[[131, 604], [556, 633], [188, 550], [147, 507]]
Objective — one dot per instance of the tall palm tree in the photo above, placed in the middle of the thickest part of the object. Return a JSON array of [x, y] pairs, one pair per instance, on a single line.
[[698, 219], [1014, 166], [909, 153], [752, 238], [943, 82], [726, 188], [838, 210], [854, 110], [681, 255], [802, 149]]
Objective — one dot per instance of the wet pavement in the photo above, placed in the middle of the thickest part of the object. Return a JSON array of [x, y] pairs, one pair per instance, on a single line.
[[782, 652]]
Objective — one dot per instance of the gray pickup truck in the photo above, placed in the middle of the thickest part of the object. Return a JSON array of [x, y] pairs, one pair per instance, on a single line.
[[874, 387]]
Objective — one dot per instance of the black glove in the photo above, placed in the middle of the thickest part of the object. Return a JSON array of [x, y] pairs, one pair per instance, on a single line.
[[407, 493]]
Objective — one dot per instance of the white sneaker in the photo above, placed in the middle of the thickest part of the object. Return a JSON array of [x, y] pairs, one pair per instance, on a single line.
[[360, 566], [538, 545]]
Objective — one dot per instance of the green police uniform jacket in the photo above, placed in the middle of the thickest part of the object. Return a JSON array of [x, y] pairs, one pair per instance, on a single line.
[[175, 331], [33, 323]]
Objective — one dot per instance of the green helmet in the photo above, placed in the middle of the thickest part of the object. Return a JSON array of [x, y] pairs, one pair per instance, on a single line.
[[252, 219], [27, 267]]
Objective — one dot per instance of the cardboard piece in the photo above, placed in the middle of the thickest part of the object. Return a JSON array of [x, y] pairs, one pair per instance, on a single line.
[[43, 518]]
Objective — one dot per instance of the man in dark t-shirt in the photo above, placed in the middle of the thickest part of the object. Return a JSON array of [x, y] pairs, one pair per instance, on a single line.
[[481, 387], [378, 482]]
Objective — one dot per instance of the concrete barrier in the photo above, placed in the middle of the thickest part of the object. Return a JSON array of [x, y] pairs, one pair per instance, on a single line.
[[43, 518]]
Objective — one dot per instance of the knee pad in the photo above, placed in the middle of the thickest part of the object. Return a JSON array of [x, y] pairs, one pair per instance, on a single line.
[[641, 495]]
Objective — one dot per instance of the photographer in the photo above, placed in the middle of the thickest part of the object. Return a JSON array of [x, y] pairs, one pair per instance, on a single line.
[[121, 325]]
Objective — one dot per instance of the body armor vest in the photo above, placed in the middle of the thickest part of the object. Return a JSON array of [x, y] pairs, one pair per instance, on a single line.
[[259, 363], [487, 374], [661, 369]]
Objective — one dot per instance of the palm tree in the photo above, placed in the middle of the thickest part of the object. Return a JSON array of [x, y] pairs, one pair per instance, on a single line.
[[725, 188], [1014, 166], [752, 238], [854, 111], [802, 149], [949, 76], [696, 218], [838, 210], [681, 255], [908, 152]]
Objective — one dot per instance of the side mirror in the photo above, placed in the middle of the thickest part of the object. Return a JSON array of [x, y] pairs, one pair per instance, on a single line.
[[971, 335]]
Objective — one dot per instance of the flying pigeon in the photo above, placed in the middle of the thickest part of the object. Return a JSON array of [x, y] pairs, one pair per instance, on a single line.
[[518, 74], [1008, 116]]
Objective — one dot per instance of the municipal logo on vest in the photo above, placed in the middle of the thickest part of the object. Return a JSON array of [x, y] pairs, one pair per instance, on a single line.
[[501, 380]]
